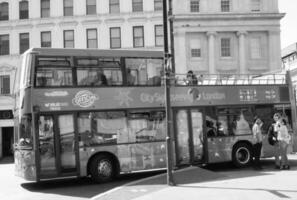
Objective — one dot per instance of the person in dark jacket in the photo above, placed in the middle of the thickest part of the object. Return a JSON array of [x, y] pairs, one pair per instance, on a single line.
[[191, 78], [272, 138]]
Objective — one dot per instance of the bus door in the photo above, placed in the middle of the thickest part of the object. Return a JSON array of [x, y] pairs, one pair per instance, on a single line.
[[57, 146], [189, 136]]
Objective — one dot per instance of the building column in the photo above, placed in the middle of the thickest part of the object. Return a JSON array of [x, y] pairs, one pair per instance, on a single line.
[[211, 51], [274, 50], [180, 42], [242, 56]]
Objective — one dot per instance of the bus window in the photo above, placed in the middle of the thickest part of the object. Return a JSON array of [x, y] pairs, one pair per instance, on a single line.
[[102, 128], [242, 121], [46, 143], [53, 77], [145, 126], [211, 121], [222, 126], [95, 71], [25, 132], [53, 71], [235, 121], [265, 113], [146, 71]]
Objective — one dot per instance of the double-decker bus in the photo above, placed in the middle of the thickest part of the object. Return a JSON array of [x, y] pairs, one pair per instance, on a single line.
[[100, 113]]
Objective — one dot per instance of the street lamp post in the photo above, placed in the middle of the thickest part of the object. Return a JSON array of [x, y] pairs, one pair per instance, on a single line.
[[170, 180]]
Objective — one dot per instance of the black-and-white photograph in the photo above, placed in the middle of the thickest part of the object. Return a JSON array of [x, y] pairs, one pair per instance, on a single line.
[[148, 99]]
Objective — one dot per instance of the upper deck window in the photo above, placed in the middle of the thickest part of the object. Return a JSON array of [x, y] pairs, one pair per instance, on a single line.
[[99, 71], [55, 71], [145, 71]]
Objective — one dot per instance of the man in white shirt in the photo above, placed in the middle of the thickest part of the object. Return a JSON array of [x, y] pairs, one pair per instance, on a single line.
[[258, 137]]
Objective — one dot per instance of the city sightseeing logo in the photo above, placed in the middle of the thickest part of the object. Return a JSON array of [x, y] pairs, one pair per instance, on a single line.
[[84, 98]]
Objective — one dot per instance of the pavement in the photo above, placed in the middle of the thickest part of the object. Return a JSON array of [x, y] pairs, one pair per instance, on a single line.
[[212, 183]]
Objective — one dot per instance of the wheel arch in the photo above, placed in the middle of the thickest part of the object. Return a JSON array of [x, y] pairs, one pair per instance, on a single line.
[[247, 142], [114, 158]]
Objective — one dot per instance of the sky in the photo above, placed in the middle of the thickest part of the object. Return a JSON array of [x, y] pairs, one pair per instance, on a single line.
[[289, 22]]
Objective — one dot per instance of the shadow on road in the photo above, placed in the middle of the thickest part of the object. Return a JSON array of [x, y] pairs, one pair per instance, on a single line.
[[82, 187]]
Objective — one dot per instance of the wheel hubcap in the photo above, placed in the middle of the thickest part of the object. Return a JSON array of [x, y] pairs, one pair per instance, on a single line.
[[104, 168], [242, 155]]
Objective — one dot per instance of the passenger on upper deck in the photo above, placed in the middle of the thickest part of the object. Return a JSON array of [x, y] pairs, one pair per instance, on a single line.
[[156, 80], [91, 80], [191, 78], [100, 78], [130, 78]]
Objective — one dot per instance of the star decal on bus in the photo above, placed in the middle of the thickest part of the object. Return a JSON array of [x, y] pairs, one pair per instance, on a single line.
[[124, 98]]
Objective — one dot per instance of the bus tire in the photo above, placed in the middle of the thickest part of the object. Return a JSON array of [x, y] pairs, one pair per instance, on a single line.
[[102, 168], [242, 155]]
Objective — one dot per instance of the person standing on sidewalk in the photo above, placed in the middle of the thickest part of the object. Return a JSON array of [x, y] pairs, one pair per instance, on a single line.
[[272, 138], [258, 138], [284, 139]]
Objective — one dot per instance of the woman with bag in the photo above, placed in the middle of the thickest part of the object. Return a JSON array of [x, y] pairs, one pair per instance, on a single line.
[[284, 139]]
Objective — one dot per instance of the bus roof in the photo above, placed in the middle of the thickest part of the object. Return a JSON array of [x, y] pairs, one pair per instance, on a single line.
[[96, 52]]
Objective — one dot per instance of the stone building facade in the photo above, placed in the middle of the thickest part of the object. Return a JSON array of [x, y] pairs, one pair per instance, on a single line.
[[227, 36]]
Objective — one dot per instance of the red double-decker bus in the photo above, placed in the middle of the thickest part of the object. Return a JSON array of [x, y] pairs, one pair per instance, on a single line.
[[100, 113]]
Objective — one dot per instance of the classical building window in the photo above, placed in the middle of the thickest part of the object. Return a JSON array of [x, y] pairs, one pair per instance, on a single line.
[[4, 44], [24, 42], [255, 46], [69, 39], [45, 8], [137, 5], [92, 42], [115, 37], [114, 6], [46, 40], [5, 84], [225, 5], [195, 47], [255, 5], [3, 11], [225, 47], [91, 7], [68, 7], [159, 36], [138, 36], [158, 5], [24, 10], [194, 5]]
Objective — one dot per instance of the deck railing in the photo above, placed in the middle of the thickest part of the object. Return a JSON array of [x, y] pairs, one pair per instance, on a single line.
[[230, 79]]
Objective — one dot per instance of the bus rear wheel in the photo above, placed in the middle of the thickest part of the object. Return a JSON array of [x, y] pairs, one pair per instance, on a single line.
[[102, 169], [242, 155]]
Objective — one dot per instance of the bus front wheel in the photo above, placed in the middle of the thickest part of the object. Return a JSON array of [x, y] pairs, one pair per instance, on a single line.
[[102, 168], [242, 155]]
